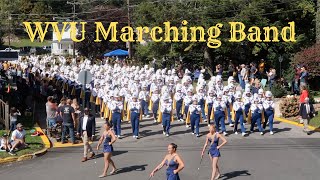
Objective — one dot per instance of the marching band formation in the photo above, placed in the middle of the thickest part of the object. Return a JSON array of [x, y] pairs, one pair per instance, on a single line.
[[128, 93]]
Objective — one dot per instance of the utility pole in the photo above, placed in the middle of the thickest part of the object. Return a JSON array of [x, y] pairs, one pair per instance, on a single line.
[[129, 23], [74, 17], [318, 22], [280, 61], [9, 22]]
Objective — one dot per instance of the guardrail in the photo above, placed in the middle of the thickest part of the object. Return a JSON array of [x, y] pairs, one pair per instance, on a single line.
[[4, 114]]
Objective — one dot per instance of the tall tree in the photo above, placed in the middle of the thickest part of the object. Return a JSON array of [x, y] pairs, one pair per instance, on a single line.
[[41, 8], [104, 14], [318, 22], [207, 13], [1, 40]]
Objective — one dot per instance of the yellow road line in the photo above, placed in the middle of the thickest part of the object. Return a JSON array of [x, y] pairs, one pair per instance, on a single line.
[[60, 145], [296, 124], [44, 138]]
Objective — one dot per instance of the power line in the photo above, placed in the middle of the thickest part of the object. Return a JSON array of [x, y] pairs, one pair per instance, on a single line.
[[260, 5], [129, 24], [188, 1], [73, 17], [92, 1], [101, 10], [228, 11], [262, 14], [114, 9], [33, 14], [89, 12]]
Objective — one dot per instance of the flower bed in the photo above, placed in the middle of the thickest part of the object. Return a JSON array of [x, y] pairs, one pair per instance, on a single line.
[[289, 106]]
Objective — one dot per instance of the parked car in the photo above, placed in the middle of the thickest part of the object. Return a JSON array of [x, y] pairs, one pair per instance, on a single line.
[[48, 48]]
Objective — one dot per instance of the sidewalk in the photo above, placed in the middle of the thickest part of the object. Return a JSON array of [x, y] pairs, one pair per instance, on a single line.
[[99, 124], [40, 116], [278, 116]]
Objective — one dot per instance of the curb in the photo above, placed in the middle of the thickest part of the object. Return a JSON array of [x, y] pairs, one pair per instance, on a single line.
[[8, 160], [60, 145], [296, 124], [24, 157], [41, 152], [44, 137], [48, 144]]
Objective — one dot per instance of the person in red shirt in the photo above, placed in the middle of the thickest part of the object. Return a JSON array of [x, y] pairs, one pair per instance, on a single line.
[[304, 94]]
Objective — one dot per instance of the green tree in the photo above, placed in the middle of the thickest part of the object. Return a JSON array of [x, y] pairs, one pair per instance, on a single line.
[[1, 41], [92, 49], [207, 13], [41, 8]]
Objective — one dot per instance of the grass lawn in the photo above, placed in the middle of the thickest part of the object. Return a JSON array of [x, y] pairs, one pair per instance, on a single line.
[[35, 144], [27, 42], [316, 94], [315, 122]]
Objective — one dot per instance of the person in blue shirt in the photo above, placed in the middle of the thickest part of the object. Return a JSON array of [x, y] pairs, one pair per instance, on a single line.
[[212, 139], [303, 76], [173, 162]]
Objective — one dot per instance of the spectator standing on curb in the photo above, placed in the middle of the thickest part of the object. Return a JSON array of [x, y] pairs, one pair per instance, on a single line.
[[51, 110], [219, 70], [68, 117], [19, 71], [262, 65], [271, 77], [87, 129], [231, 69], [306, 112], [14, 113], [253, 72], [13, 73], [62, 103], [5, 65], [243, 75], [256, 87], [303, 96], [76, 108]]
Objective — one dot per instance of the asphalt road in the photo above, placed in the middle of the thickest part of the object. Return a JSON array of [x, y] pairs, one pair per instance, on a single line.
[[288, 154]]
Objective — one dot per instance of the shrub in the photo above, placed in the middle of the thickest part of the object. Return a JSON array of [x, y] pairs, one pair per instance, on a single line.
[[278, 91], [312, 94], [289, 106], [310, 57]]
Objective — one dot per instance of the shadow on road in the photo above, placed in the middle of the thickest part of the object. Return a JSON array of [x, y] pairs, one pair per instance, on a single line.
[[132, 168], [115, 153], [276, 130], [234, 174], [146, 133]]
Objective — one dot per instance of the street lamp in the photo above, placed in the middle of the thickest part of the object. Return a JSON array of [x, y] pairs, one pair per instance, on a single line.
[[280, 61]]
